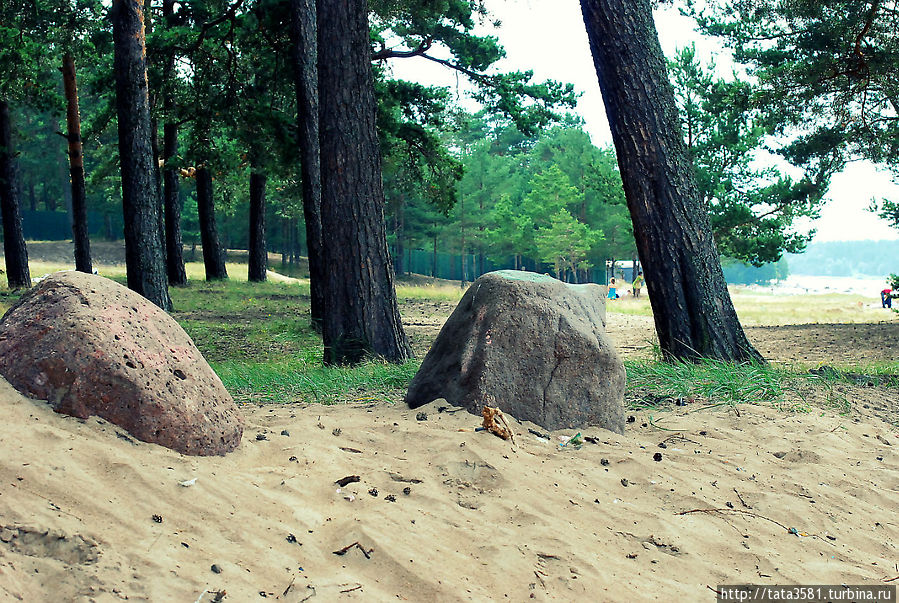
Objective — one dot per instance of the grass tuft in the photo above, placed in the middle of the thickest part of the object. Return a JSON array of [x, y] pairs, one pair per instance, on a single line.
[[306, 380], [710, 380]]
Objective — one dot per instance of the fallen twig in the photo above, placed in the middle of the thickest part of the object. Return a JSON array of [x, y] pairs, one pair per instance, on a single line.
[[743, 502], [741, 511], [349, 590], [346, 549], [652, 423]]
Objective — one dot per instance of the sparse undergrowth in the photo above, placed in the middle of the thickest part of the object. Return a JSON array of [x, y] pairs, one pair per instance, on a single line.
[[298, 380], [707, 382], [259, 339]]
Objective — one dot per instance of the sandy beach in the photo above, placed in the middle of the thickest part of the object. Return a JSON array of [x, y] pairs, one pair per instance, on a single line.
[[683, 501]]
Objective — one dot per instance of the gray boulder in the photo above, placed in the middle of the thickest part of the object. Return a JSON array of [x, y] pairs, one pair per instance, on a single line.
[[90, 346], [531, 345]]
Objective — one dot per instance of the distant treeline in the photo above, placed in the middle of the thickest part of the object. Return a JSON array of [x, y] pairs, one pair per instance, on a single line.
[[847, 258], [741, 273]]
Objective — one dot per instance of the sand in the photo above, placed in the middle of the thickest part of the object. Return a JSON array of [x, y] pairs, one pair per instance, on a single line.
[[483, 519]]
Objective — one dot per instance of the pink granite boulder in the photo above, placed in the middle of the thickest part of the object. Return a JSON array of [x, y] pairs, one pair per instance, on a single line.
[[90, 346]]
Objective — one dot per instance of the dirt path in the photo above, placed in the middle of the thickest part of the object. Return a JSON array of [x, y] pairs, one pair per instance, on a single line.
[[803, 344], [808, 345]]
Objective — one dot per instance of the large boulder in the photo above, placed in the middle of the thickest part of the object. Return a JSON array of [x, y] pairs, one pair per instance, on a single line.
[[531, 345], [89, 346]]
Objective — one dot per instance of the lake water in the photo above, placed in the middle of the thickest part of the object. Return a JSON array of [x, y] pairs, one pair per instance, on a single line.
[[800, 284]]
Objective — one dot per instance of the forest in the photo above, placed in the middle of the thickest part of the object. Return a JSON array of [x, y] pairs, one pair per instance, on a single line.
[[269, 124]]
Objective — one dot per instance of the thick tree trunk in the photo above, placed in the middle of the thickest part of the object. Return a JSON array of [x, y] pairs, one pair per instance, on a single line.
[[693, 312], [258, 253], [80, 236], [144, 251], [305, 59], [14, 250], [213, 258], [361, 313]]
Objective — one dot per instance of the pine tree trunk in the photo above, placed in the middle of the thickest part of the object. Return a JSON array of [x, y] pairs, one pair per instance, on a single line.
[[48, 199], [80, 236], [171, 185], [400, 232], [213, 258], [16, 254], [258, 254], [693, 312], [172, 201], [462, 243], [144, 250], [284, 239], [294, 260], [305, 60], [361, 312], [157, 181], [434, 259]]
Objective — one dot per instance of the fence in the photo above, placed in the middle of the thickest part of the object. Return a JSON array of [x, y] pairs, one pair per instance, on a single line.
[[57, 225]]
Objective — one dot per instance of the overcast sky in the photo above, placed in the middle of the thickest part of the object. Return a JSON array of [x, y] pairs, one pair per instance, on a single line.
[[548, 37]]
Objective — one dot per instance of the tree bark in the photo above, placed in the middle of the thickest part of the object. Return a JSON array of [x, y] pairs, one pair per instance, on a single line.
[[400, 232], [172, 202], [303, 32], [258, 254], [463, 280], [693, 312], [213, 259], [16, 254], [80, 236], [361, 312], [171, 185], [434, 258], [144, 251]]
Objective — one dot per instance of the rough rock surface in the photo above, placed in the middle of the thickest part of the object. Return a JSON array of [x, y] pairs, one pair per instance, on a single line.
[[531, 345], [90, 346]]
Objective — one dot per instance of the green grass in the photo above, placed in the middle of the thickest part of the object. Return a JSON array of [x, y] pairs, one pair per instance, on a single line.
[[306, 380], [258, 338], [708, 381]]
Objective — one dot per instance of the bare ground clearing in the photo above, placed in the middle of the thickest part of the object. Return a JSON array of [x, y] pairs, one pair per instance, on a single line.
[[634, 335]]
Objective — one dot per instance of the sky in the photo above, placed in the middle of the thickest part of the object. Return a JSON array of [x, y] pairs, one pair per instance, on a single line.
[[548, 37]]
